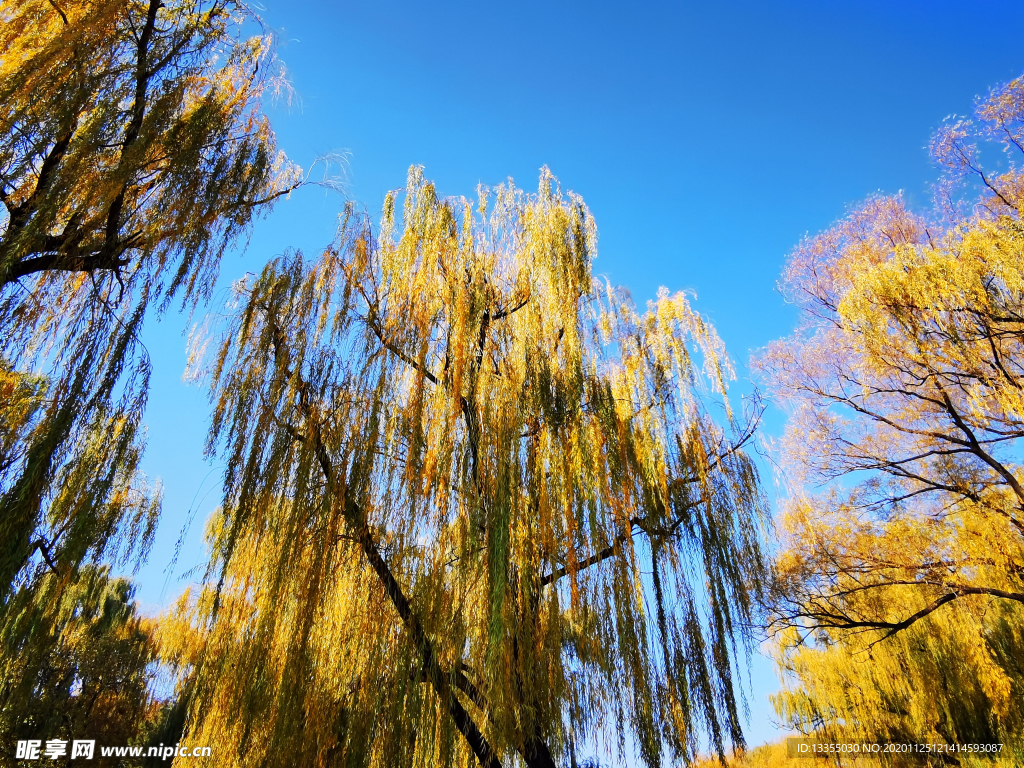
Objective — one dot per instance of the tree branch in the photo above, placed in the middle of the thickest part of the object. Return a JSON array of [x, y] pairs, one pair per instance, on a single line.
[[45, 552], [981, 453], [56, 7], [142, 76], [356, 518], [616, 546]]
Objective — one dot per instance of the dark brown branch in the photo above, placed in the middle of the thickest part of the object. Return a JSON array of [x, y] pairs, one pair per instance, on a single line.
[[22, 213], [45, 552], [615, 547], [459, 680], [934, 606], [991, 186], [981, 453], [371, 322], [175, 49], [440, 682], [356, 518], [506, 312], [1001, 593], [63, 15], [831, 617], [745, 437], [998, 359], [852, 404], [142, 76], [598, 557], [58, 262], [271, 197]]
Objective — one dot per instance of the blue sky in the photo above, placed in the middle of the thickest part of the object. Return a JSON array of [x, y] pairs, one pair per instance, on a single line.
[[707, 139]]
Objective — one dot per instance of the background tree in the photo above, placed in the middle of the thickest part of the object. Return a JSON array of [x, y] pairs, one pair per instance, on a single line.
[[76, 661], [132, 154], [906, 382], [476, 508], [951, 678]]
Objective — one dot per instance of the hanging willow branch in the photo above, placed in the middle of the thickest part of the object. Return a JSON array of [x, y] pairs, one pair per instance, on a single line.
[[449, 453]]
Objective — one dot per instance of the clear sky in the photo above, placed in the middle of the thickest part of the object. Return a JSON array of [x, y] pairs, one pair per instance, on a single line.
[[707, 139]]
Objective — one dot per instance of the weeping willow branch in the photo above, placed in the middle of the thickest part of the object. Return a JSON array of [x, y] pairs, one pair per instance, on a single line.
[[466, 438], [337, 493]]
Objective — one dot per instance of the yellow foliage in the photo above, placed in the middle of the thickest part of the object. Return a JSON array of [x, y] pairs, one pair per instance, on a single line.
[[75, 660], [475, 506], [900, 585], [131, 139], [133, 153]]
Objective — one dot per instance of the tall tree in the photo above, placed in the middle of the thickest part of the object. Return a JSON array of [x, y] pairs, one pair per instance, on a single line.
[[476, 508], [132, 153], [906, 383], [131, 141], [76, 661]]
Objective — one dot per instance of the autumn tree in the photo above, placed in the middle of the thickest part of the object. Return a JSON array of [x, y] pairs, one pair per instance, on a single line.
[[131, 142], [476, 507], [92, 502], [133, 152], [902, 581], [76, 660]]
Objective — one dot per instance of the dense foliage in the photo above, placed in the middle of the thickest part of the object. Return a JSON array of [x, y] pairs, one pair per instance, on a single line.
[[902, 582], [75, 661], [147, 157], [132, 153], [452, 456], [476, 507]]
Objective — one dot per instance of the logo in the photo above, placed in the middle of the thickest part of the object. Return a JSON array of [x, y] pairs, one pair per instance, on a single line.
[[33, 749]]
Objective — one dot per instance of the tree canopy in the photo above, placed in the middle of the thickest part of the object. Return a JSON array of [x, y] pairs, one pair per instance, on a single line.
[[902, 580], [476, 506], [146, 158], [149, 153], [133, 153], [75, 660]]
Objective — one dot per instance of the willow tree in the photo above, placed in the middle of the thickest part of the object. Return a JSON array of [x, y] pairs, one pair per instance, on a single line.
[[132, 153], [906, 383], [76, 661], [131, 141], [476, 508]]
